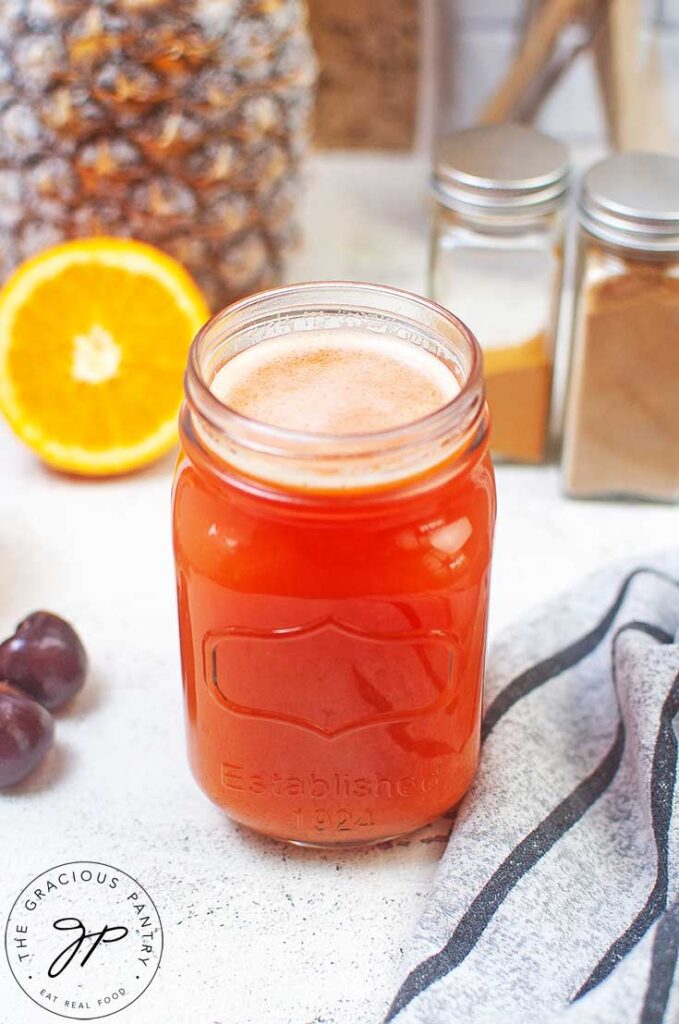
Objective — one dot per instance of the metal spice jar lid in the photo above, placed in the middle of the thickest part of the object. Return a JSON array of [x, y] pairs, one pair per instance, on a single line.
[[504, 169], [632, 200]]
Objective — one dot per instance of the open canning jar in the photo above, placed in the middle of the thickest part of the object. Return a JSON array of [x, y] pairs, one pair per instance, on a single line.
[[333, 590]]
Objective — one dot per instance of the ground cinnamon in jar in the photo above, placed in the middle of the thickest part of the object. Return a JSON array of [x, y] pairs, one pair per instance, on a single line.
[[622, 429]]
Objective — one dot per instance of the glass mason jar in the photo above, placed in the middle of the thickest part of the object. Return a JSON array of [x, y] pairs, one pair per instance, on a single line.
[[496, 258], [622, 425], [333, 590]]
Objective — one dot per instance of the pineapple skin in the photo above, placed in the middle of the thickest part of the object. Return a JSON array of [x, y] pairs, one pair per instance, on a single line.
[[183, 123]]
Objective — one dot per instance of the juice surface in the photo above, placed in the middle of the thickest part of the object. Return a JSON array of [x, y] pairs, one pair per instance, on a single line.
[[335, 382], [333, 644]]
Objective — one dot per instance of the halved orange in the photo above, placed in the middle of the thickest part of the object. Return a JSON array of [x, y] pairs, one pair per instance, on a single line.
[[94, 336]]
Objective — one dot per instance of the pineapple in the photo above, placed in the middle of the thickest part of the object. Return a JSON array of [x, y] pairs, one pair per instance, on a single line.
[[179, 122]]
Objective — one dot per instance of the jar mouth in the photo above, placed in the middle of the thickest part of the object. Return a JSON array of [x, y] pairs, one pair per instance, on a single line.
[[291, 308]]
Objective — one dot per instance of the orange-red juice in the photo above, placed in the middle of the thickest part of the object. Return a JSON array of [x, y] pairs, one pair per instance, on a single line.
[[333, 600]]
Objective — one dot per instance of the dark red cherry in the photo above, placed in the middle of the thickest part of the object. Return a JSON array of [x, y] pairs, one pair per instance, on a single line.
[[45, 658], [26, 734]]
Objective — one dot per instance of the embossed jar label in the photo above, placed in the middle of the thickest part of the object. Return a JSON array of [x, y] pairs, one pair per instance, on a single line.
[[328, 676]]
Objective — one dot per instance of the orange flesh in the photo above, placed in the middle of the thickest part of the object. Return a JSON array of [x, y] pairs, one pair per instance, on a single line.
[[55, 317], [94, 335]]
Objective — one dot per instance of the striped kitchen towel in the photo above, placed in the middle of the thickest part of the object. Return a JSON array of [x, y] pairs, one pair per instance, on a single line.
[[557, 898]]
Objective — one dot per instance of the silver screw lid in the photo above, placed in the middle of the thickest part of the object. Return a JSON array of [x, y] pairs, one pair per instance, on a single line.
[[503, 168], [632, 200]]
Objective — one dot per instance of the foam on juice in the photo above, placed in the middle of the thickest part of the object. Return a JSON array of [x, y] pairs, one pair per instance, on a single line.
[[335, 381]]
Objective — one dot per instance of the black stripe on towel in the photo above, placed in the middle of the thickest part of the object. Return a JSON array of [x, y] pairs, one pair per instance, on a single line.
[[549, 831], [663, 779], [663, 962], [523, 857], [564, 659]]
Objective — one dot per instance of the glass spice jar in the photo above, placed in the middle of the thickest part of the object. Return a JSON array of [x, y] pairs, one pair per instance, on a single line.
[[621, 435], [496, 258], [333, 590]]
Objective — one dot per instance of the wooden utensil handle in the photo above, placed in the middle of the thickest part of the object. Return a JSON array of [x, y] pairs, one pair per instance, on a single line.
[[534, 54]]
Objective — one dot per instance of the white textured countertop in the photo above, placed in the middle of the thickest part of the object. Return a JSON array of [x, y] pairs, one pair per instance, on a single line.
[[255, 933]]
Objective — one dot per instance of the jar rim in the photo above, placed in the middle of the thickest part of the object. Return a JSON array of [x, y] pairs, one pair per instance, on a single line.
[[197, 387], [387, 305]]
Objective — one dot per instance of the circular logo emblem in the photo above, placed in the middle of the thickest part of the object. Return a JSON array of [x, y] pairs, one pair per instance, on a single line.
[[84, 940]]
